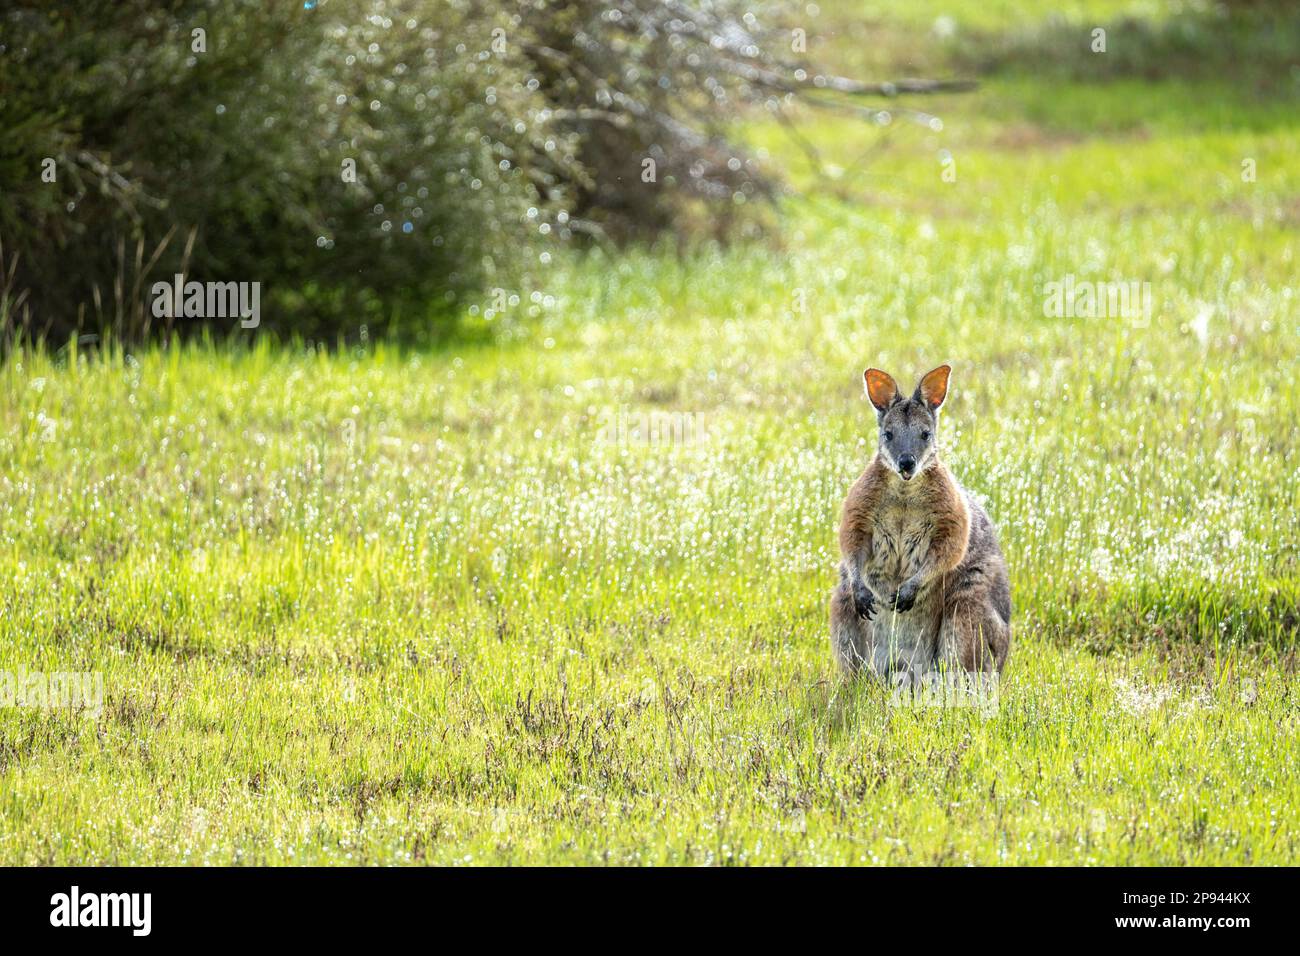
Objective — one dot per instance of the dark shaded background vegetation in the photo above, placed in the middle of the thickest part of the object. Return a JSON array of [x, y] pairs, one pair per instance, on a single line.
[[482, 134]]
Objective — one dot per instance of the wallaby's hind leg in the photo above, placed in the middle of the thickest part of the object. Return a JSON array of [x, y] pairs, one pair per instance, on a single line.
[[849, 633], [973, 637]]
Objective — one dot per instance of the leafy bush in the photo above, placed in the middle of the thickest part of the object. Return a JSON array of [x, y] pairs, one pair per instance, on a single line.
[[228, 162]]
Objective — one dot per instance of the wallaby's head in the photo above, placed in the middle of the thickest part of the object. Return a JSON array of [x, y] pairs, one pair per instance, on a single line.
[[908, 426]]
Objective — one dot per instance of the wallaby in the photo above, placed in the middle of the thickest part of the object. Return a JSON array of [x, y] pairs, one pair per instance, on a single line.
[[923, 583]]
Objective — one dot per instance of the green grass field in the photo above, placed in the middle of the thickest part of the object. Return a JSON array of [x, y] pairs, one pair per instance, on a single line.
[[476, 605]]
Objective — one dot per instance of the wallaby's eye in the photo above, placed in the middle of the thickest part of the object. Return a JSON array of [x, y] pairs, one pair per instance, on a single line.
[[925, 436], [889, 436]]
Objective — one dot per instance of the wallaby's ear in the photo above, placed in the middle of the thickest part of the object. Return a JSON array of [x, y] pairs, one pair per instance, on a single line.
[[934, 387], [881, 388]]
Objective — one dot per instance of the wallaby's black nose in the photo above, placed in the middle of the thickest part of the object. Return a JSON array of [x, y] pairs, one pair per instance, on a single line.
[[906, 465]]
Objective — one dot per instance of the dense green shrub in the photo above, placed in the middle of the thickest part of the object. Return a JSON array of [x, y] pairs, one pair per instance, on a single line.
[[229, 162]]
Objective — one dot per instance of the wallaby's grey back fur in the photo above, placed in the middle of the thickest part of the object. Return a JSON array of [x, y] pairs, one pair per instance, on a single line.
[[923, 583]]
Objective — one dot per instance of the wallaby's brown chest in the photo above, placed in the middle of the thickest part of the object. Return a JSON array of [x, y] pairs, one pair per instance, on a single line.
[[900, 535]]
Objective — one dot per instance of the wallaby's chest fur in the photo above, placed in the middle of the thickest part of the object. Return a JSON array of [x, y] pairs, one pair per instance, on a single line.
[[894, 528], [901, 528]]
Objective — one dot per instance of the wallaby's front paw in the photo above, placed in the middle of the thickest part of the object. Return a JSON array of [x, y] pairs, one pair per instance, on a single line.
[[864, 602], [905, 597]]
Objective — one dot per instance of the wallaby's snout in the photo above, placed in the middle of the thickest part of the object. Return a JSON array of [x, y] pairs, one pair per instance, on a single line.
[[907, 446]]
